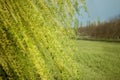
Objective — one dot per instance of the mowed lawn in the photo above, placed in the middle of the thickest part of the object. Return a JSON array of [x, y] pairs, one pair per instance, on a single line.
[[98, 60]]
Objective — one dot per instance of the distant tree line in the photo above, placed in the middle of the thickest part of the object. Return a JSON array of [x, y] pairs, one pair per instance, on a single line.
[[106, 30]]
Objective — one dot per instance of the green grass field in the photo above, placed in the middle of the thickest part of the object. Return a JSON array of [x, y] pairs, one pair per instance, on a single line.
[[98, 60]]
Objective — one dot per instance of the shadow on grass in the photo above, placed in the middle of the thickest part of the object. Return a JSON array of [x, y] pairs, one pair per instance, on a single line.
[[98, 39]]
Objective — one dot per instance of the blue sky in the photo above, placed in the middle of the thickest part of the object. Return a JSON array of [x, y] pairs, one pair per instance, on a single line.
[[105, 9]]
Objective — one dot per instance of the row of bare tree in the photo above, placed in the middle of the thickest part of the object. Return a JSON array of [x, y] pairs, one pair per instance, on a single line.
[[107, 30]]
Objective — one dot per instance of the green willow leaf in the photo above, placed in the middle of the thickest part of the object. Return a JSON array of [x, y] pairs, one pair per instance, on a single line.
[[35, 39]]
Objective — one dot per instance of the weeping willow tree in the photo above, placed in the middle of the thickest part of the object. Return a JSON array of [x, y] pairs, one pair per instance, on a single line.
[[35, 39]]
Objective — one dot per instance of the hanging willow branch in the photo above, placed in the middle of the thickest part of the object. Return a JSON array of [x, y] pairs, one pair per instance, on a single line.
[[34, 44]]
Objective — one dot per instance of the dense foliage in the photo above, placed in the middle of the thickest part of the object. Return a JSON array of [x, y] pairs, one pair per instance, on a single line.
[[34, 39]]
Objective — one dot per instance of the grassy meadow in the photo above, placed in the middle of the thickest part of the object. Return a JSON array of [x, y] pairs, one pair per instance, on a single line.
[[98, 60], [98, 51]]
